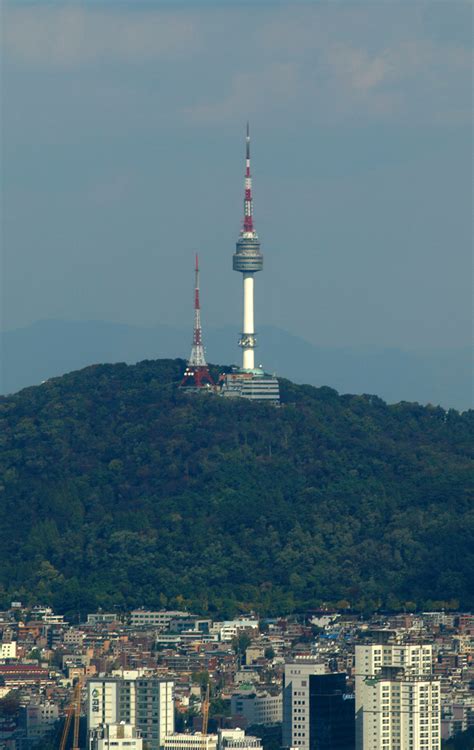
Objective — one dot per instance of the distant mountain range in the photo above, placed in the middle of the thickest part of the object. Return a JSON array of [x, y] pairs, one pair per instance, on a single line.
[[49, 348]]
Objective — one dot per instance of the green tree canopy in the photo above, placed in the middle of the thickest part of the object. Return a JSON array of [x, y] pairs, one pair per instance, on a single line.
[[118, 490]]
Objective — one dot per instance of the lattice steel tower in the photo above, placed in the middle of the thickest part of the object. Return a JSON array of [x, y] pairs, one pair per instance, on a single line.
[[197, 373]]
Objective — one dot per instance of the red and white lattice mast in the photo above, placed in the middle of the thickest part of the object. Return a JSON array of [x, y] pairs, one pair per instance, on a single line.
[[197, 373]]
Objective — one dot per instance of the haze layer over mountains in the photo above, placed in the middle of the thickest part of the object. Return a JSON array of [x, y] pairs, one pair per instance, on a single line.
[[47, 349]]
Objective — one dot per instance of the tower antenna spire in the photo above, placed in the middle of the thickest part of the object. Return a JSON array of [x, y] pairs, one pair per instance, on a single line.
[[197, 373], [248, 228]]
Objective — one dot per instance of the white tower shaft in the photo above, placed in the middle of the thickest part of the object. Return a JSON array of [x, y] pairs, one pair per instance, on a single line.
[[248, 355]]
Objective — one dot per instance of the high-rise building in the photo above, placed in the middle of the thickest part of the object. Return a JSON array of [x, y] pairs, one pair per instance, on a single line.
[[331, 713], [296, 701], [144, 702], [250, 382], [415, 658], [397, 698]]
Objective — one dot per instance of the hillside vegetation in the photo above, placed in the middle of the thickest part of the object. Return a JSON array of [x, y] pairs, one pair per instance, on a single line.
[[119, 490]]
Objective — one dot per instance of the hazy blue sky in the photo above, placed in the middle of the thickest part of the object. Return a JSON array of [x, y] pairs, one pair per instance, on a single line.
[[122, 133]]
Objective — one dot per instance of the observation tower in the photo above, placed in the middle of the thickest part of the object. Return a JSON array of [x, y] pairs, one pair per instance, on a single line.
[[248, 259], [250, 381]]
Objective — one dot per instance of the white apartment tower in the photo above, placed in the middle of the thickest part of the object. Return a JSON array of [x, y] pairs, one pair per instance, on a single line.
[[397, 698], [296, 701], [144, 702]]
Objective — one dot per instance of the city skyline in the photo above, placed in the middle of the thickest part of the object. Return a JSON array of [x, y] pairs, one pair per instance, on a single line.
[[206, 545]]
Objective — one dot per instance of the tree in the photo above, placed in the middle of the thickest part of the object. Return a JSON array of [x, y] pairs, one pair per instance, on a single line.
[[10, 704], [35, 654], [114, 472], [201, 678], [240, 644]]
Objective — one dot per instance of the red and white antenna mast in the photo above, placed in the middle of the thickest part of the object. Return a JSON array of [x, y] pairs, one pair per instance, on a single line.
[[248, 202], [197, 373]]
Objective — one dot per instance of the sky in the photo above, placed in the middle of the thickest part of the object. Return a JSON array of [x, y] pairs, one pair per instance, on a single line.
[[123, 149]]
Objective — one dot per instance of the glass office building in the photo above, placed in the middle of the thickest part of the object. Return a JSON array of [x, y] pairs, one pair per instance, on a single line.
[[331, 713]]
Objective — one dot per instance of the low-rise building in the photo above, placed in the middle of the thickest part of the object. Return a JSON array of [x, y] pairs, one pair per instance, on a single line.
[[257, 708], [8, 650], [37, 719], [120, 736], [101, 618], [236, 739], [156, 619], [194, 741], [229, 629]]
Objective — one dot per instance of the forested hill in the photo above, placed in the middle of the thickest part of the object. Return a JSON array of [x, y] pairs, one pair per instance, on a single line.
[[119, 490]]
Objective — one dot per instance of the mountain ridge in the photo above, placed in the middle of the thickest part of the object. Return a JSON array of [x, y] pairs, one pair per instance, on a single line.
[[120, 490]]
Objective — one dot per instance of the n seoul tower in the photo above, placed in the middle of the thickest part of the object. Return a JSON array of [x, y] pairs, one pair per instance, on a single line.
[[248, 259]]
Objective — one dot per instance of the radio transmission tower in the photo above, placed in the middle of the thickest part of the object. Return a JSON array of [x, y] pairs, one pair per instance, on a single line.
[[197, 373]]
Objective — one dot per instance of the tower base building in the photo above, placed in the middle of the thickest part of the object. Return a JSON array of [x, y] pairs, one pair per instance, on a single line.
[[256, 385]]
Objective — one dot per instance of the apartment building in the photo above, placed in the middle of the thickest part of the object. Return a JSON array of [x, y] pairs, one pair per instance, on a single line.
[[397, 698]]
